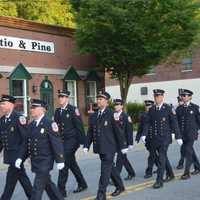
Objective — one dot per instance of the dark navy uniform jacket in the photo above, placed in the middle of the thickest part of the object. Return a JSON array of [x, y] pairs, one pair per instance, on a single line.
[[160, 124], [12, 137], [149, 136], [44, 145], [125, 123], [143, 119], [70, 126], [189, 121], [105, 133]]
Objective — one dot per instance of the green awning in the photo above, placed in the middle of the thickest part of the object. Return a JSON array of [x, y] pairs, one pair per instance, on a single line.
[[72, 74], [93, 76], [20, 72]]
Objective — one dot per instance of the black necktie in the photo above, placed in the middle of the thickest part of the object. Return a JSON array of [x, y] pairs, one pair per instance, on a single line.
[[34, 124], [99, 115], [157, 108]]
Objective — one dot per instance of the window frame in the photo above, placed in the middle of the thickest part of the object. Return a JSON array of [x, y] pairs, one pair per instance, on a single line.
[[25, 94], [95, 86], [75, 91]]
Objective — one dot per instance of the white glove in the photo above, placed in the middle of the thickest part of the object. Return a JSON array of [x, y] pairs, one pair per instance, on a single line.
[[85, 150], [130, 146], [179, 141], [124, 151], [143, 138], [18, 163], [173, 136], [60, 166]]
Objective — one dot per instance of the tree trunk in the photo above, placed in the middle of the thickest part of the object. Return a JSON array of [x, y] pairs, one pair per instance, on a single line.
[[124, 81]]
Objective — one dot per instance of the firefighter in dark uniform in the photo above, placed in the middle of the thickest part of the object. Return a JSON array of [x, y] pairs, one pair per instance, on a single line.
[[72, 132], [126, 124], [44, 146], [188, 115], [161, 122], [153, 158], [107, 137], [12, 141], [181, 161]]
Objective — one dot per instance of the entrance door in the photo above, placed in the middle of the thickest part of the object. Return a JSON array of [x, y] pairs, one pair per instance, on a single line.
[[46, 94]]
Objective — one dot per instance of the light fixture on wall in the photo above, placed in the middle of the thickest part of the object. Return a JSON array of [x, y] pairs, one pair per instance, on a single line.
[[34, 88]]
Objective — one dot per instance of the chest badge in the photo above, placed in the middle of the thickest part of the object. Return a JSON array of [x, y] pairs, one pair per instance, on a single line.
[[67, 115], [191, 112], [42, 130], [164, 119], [12, 129], [106, 123]]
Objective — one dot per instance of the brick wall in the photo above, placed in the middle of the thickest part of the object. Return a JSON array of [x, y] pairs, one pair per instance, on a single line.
[[167, 72]]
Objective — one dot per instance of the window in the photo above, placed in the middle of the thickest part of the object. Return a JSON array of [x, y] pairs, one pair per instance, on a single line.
[[144, 91], [18, 86], [19, 91], [187, 64], [70, 85], [91, 91]]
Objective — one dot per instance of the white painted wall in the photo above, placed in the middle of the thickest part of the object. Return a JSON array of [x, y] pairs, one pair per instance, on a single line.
[[170, 87]]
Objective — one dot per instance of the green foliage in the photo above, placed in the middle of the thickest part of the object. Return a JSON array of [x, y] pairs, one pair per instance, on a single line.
[[134, 34], [129, 36], [8, 9], [76, 4], [55, 12], [135, 110]]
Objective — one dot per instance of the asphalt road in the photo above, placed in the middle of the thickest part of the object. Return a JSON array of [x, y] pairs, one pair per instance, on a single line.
[[139, 188]]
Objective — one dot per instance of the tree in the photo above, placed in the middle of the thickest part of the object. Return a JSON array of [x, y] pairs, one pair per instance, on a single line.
[[55, 12], [8, 9], [76, 4], [129, 36]]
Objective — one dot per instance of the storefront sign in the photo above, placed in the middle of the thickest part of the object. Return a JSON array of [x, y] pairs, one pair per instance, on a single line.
[[26, 44]]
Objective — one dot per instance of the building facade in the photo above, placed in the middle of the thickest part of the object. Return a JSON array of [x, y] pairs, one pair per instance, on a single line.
[[37, 60], [169, 77]]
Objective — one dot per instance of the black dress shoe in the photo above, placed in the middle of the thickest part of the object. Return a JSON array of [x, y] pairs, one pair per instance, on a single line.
[[147, 176], [169, 178], [185, 176], [129, 177], [80, 189], [179, 166], [117, 192], [157, 185], [195, 172]]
